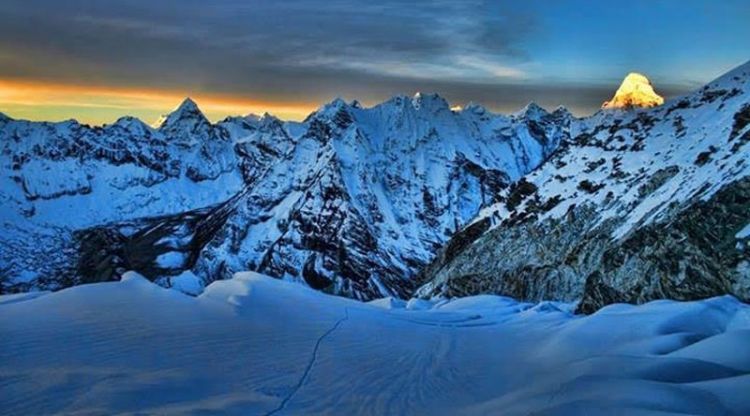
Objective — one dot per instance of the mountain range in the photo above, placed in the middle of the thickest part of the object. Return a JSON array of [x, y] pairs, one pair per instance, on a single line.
[[407, 197]]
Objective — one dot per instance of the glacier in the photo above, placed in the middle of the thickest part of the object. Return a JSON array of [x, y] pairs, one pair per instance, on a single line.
[[253, 344]]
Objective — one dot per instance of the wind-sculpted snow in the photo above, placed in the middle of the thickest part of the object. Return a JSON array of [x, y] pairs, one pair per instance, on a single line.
[[353, 200], [257, 345], [641, 204]]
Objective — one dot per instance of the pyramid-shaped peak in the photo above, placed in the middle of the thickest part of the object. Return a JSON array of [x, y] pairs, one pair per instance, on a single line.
[[332, 109], [532, 110], [269, 119], [338, 102], [635, 91], [333, 106], [188, 105], [532, 106], [187, 111]]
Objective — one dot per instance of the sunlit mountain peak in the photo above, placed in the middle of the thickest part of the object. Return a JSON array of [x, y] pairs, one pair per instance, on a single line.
[[635, 91]]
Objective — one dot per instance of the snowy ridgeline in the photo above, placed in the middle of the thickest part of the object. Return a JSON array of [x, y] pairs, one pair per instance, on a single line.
[[257, 345], [355, 200], [639, 204]]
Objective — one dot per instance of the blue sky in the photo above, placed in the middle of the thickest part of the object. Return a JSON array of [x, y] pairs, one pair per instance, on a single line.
[[677, 42], [288, 57]]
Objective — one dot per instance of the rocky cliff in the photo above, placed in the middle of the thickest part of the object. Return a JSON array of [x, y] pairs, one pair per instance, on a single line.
[[352, 200], [640, 204]]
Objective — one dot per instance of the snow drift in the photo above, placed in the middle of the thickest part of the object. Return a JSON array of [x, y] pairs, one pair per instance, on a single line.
[[258, 345]]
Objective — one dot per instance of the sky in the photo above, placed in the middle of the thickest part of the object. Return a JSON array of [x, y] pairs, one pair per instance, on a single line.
[[98, 60]]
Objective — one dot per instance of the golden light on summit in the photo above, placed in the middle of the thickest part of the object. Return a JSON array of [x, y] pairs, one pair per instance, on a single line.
[[635, 91]]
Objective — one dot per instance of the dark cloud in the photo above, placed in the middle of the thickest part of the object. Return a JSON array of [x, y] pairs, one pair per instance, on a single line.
[[283, 51]]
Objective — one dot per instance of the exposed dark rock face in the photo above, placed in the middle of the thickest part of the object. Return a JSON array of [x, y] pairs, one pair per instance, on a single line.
[[659, 178], [526, 261], [353, 201], [623, 206], [518, 192], [638, 206], [455, 246], [741, 120], [106, 252], [692, 256]]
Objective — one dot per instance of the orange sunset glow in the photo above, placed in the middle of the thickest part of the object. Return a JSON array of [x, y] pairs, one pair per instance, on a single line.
[[53, 102]]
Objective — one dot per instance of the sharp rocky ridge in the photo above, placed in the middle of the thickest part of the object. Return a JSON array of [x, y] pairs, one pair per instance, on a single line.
[[352, 200], [640, 204], [628, 205]]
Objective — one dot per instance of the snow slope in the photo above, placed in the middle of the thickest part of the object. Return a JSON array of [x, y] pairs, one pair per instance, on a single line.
[[257, 345], [618, 151]]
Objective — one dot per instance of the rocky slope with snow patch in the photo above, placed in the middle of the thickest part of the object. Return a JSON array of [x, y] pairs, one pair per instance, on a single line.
[[353, 200], [365, 197], [60, 178], [640, 204]]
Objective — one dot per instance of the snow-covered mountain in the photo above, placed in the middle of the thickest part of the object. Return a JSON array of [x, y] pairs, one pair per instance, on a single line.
[[352, 200], [627, 205], [640, 204], [635, 91]]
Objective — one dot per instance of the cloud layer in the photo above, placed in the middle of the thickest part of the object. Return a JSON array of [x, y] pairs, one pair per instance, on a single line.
[[296, 51]]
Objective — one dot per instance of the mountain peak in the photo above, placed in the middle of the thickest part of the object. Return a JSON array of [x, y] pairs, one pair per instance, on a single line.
[[431, 101], [337, 102], [268, 119], [331, 109], [334, 106], [532, 110], [187, 111], [130, 123], [635, 91], [188, 105], [562, 111]]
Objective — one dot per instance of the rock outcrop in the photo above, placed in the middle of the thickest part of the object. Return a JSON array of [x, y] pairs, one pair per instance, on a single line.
[[353, 200], [639, 205]]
